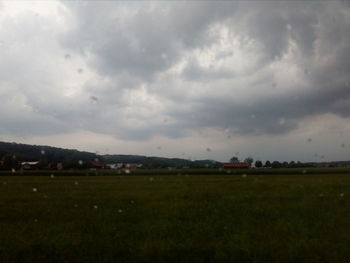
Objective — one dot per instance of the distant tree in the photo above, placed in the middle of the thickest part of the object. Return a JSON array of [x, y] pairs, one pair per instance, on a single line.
[[267, 164], [292, 164], [234, 159], [276, 164], [249, 160], [43, 164], [9, 161], [258, 164], [285, 164]]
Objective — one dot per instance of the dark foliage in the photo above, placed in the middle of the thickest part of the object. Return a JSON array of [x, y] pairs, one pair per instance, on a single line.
[[12, 154]]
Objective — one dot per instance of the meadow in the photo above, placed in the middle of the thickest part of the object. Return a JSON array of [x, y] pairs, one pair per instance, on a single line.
[[230, 217]]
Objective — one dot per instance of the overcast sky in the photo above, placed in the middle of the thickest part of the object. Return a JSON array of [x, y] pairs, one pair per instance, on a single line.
[[199, 80]]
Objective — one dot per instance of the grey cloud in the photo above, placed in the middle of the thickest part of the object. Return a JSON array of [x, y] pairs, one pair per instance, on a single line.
[[326, 83], [147, 42], [132, 51], [264, 116], [270, 30], [23, 123], [193, 72]]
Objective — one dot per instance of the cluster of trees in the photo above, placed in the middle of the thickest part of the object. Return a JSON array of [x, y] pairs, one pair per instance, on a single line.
[[161, 162], [13, 154], [274, 164], [277, 164]]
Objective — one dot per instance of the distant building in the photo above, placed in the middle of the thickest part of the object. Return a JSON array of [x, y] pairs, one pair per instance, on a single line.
[[29, 165], [114, 166], [59, 166], [240, 165], [132, 165], [96, 165]]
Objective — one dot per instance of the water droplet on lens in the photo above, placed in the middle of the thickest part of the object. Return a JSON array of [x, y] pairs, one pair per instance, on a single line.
[[127, 171], [67, 56], [52, 176], [120, 211], [343, 145], [208, 149], [80, 70], [303, 171], [281, 121], [80, 162], [13, 170], [151, 179], [42, 152], [93, 99], [244, 175], [76, 183], [95, 206], [309, 140], [34, 190]]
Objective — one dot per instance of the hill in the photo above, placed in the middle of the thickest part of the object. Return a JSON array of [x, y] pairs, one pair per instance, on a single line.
[[12, 154]]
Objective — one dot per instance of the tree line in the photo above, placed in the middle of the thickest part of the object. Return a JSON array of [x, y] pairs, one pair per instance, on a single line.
[[273, 164]]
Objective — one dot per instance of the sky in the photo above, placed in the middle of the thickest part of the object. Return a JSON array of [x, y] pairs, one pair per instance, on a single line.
[[188, 79]]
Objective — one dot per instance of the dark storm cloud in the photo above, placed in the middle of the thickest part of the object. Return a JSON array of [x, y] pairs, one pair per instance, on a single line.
[[275, 115], [144, 41], [320, 39], [133, 48]]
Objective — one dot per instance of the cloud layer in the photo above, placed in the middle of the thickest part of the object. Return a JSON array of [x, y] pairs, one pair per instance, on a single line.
[[137, 71]]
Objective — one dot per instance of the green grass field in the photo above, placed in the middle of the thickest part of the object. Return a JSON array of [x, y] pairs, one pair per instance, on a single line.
[[184, 218]]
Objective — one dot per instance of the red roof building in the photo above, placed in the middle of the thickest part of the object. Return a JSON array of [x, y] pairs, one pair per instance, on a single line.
[[240, 165], [96, 165]]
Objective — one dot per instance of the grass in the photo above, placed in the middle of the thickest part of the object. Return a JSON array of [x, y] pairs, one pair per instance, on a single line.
[[170, 171], [185, 218]]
